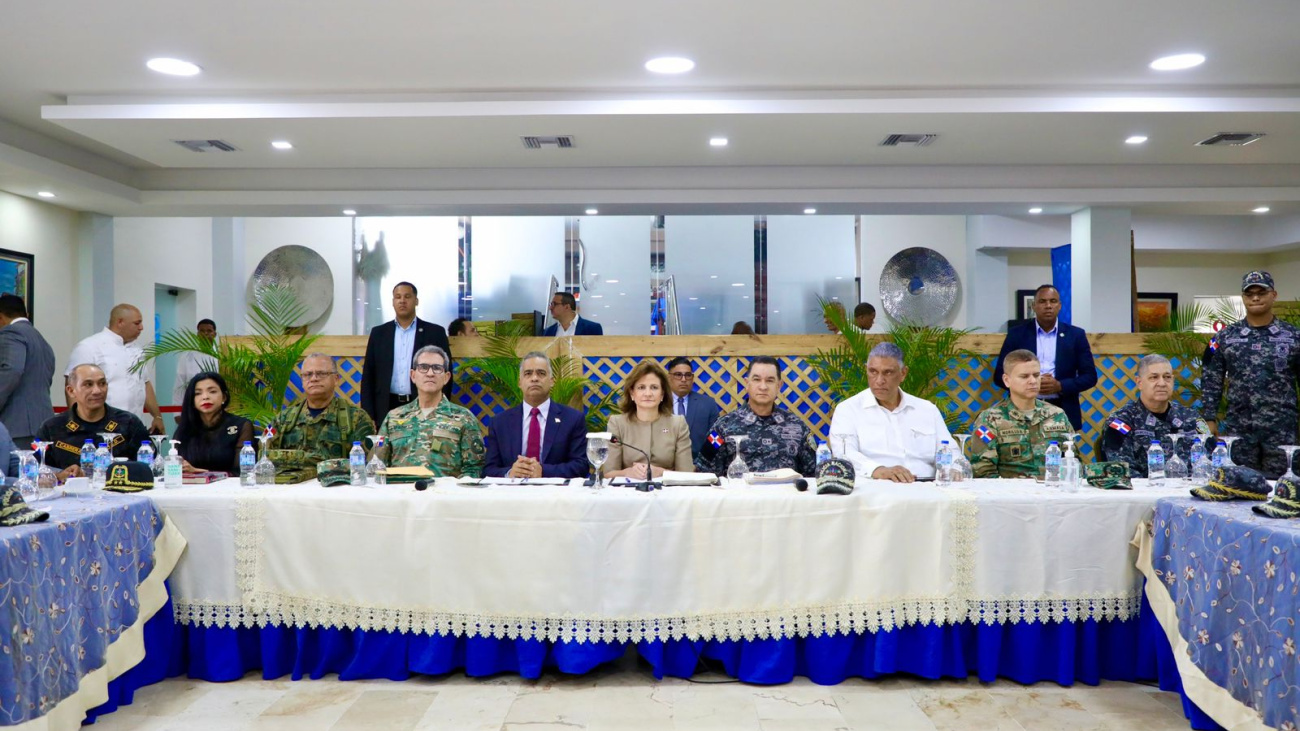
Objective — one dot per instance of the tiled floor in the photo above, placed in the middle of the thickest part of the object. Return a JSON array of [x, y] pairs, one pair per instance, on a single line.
[[625, 696]]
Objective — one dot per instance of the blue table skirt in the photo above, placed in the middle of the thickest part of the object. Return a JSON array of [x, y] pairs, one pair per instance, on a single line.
[[1086, 652]]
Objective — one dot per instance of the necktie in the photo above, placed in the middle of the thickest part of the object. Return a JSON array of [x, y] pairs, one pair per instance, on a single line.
[[681, 406], [534, 450]]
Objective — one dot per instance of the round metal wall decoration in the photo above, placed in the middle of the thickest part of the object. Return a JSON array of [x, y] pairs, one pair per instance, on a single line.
[[301, 270], [918, 286]]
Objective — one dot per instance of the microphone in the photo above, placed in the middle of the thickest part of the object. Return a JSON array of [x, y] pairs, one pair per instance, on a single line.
[[421, 485], [801, 484], [613, 440]]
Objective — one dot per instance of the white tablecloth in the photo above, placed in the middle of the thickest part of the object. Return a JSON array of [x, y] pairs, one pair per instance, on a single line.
[[564, 563]]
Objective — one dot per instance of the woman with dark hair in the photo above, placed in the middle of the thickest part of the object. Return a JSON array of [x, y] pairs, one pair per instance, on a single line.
[[210, 436], [648, 422]]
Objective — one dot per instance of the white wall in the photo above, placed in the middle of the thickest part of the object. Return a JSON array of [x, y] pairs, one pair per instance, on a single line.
[[618, 248], [174, 252], [712, 259], [50, 234], [329, 237], [884, 236], [810, 257]]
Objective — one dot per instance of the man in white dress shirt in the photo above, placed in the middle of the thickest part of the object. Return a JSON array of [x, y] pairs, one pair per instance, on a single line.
[[897, 434], [115, 350], [192, 362]]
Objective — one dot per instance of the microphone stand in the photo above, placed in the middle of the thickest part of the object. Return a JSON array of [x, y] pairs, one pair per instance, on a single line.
[[648, 483]]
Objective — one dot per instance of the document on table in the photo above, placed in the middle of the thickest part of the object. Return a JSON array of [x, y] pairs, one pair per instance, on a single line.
[[512, 481]]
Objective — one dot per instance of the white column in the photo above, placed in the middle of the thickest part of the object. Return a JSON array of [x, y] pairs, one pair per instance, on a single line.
[[95, 273], [1100, 270], [228, 285], [987, 283]]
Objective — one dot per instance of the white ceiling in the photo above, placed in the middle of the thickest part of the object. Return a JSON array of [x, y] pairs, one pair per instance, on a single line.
[[390, 104]]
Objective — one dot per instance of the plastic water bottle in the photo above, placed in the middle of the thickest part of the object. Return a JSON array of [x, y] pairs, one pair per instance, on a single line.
[[172, 467], [103, 458], [88, 458], [823, 452], [943, 464], [1219, 455], [1156, 464], [357, 465], [1052, 475], [145, 454], [247, 460], [1070, 472], [1200, 468]]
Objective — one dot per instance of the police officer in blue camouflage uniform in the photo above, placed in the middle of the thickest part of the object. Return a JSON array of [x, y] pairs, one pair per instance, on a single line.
[[1152, 415], [1256, 363], [774, 438]]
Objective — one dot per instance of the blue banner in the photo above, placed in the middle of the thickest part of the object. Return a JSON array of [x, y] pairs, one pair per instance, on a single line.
[[1061, 279]]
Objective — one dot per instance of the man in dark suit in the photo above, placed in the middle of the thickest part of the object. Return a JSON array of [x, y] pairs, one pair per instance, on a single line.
[[564, 308], [700, 410], [1063, 353], [538, 438], [386, 372], [26, 372]]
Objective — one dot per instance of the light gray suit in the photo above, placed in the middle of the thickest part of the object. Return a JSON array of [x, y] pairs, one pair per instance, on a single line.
[[26, 374]]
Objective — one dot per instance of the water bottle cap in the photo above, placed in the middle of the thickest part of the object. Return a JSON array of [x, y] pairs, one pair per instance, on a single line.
[[1053, 442], [946, 441], [248, 444], [1155, 442], [356, 444]]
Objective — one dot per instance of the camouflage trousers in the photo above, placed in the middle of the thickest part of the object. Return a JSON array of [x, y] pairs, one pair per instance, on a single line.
[[1258, 446]]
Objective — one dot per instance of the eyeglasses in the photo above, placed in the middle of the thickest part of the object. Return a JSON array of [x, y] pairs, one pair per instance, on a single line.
[[683, 376], [430, 368], [310, 375]]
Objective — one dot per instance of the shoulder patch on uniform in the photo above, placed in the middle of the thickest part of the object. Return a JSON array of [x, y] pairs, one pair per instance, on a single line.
[[984, 434], [1119, 426]]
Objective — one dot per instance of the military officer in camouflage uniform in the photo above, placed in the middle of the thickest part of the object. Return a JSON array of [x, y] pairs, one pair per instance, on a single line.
[[1152, 415], [1011, 437], [431, 431], [1257, 362], [320, 424], [775, 438]]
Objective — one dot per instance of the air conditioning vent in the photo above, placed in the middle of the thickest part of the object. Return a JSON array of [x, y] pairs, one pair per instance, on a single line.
[[1231, 139], [537, 142], [207, 145], [912, 140]]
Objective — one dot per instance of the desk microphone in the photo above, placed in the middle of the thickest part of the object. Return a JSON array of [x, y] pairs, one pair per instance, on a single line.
[[649, 480], [801, 484], [421, 485]]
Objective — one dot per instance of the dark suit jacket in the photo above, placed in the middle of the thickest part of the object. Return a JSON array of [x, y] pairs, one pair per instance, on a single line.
[[377, 370], [26, 372], [701, 412], [1074, 367], [584, 327], [564, 443]]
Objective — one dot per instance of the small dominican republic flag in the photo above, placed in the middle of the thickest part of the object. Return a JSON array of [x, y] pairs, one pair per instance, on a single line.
[[1214, 344], [715, 439], [377, 441], [984, 434], [268, 433], [1120, 426]]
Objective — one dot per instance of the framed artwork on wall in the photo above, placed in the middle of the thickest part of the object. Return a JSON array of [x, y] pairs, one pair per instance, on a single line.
[[16, 276], [1024, 304], [1155, 311]]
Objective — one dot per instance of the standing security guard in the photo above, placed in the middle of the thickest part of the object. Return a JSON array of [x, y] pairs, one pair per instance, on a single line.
[[1152, 415], [1260, 359]]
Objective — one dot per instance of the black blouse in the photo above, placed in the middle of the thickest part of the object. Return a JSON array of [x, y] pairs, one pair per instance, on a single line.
[[217, 449]]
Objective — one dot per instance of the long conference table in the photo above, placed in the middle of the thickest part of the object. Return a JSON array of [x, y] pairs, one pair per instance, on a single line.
[[996, 578]]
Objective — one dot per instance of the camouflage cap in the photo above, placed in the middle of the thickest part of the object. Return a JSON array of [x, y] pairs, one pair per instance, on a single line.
[[14, 510], [1234, 483], [1285, 502], [1107, 475], [129, 477], [292, 465], [1257, 278], [334, 472], [835, 477]]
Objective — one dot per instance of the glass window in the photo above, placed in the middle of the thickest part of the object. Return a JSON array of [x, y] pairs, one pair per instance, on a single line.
[[615, 272], [808, 257], [512, 261], [712, 260], [420, 250]]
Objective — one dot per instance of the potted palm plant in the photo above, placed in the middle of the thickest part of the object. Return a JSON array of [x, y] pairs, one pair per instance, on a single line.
[[259, 367]]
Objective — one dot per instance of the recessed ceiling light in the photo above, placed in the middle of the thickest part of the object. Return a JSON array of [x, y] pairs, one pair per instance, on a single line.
[[173, 67], [45, 194], [282, 145], [1035, 210], [702, 307], [349, 212], [1178, 62], [592, 211], [737, 284], [718, 141], [713, 276], [611, 281], [692, 298], [1135, 140], [669, 65], [810, 211], [1262, 209]]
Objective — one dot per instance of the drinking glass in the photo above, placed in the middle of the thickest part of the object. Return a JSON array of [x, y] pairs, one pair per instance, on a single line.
[[158, 467], [26, 482], [1290, 450], [1176, 471], [264, 470], [1228, 462], [737, 469], [963, 462], [375, 467], [46, 478], [597, 454]]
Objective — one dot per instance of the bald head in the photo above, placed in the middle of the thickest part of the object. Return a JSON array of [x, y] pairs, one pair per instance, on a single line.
[[126, 321]]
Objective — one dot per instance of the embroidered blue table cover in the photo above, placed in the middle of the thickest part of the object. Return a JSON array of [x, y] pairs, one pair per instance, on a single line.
[[68, 588], [1233, 576]]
